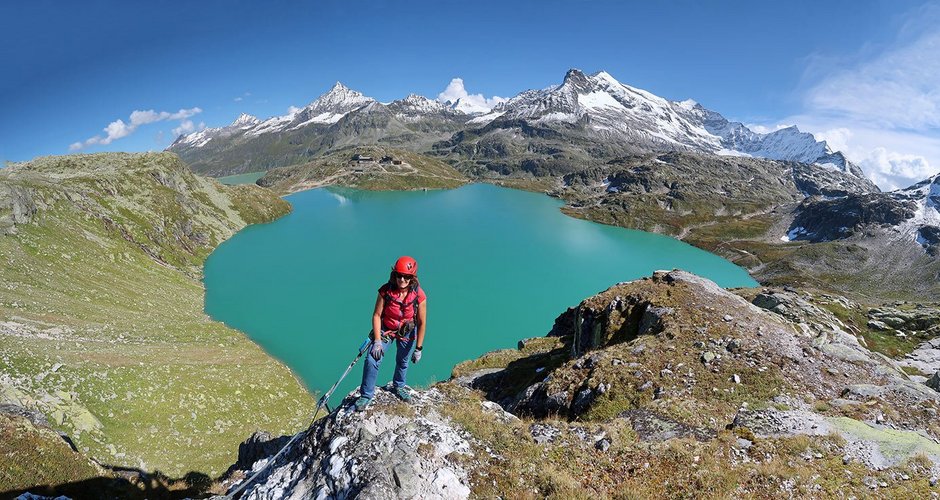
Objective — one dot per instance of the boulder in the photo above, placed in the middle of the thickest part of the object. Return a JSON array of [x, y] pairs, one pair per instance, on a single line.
[[934, 381]]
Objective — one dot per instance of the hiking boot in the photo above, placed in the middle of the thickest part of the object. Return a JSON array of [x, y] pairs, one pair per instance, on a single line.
[[362, 403], [403, 394]]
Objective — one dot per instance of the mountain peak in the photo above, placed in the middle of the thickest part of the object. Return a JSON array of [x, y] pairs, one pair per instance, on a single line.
[[245, 120], [604, 76], [339, 99], [576, 77]]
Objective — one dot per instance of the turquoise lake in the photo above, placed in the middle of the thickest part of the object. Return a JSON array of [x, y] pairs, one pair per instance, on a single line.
[[497, 264]]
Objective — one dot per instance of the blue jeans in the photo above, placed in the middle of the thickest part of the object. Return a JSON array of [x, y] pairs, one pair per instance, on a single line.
[[371, 369]]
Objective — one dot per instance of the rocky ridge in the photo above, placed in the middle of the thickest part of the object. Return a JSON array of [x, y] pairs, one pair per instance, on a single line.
[[340, 118], [584, 121], [666, 386]]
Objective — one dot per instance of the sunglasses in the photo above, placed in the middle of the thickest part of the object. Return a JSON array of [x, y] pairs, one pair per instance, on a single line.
[[406, 277]]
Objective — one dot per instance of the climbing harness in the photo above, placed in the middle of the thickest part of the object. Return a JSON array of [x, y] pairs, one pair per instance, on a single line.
[[321, 403]]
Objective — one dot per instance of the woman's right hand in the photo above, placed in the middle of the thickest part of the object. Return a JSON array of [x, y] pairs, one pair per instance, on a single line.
[[377, 350]]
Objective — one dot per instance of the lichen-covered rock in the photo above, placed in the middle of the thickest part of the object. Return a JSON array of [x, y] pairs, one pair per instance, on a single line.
[[874, 445]]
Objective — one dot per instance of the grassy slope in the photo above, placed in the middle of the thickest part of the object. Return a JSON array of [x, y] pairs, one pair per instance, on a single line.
[[111, 344]]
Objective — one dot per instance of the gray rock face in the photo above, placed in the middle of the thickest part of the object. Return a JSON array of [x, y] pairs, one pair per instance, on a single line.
[[37, 418], [17, 206], [923, 318], [929, 238], [383, 452], [926, 358], [651, 322], [832, 219]]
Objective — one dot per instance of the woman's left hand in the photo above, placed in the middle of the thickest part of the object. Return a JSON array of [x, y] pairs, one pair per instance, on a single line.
[[416, 356], [377, 351]]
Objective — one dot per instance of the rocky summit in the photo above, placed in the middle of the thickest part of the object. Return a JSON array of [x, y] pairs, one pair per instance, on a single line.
[[667, 386]]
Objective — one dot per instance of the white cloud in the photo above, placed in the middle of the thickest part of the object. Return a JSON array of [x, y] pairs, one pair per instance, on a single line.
[[185, 127], [892, 159], [898, 89], [116, 130], [766, 129], [119, 129], [883, 112], [895, 170], [471, 103], [188, 127], [837, 138], [293, 110]]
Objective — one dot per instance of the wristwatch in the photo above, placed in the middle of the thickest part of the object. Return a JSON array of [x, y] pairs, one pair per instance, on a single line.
[[419, 347]]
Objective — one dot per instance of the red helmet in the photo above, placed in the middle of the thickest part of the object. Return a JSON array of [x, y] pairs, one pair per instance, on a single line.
[[406, 265]]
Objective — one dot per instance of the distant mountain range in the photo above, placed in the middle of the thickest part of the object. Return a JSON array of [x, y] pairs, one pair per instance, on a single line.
[[586, 120]]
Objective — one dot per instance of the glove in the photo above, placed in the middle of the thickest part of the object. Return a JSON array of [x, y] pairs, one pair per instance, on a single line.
[[416, 356], [377, 351]]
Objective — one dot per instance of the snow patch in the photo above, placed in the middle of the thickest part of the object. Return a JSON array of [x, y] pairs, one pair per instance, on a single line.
[[732, 152], [484, 119], [794, 234], [558, 117], [598, 100], [829, 166]]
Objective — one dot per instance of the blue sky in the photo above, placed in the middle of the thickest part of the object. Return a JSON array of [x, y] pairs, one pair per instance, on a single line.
[[864, 75]]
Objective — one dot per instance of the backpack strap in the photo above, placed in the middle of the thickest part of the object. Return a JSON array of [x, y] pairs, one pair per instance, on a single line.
[[415, 301]]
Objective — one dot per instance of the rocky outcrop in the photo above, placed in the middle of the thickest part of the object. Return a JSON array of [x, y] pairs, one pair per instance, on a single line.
[[17, 206], [391, 450], [648, 376]]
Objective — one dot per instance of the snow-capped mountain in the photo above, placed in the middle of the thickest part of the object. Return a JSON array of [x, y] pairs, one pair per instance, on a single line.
[[245, 121], [612, 109], [326, 109], [331, 106], [416, 107], [586, 118]]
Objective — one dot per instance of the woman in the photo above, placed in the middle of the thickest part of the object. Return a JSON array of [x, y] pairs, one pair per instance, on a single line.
[[401, 315]]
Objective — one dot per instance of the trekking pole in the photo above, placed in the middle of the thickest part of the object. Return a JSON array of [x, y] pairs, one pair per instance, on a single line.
[[362, 349], [323, 399]]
